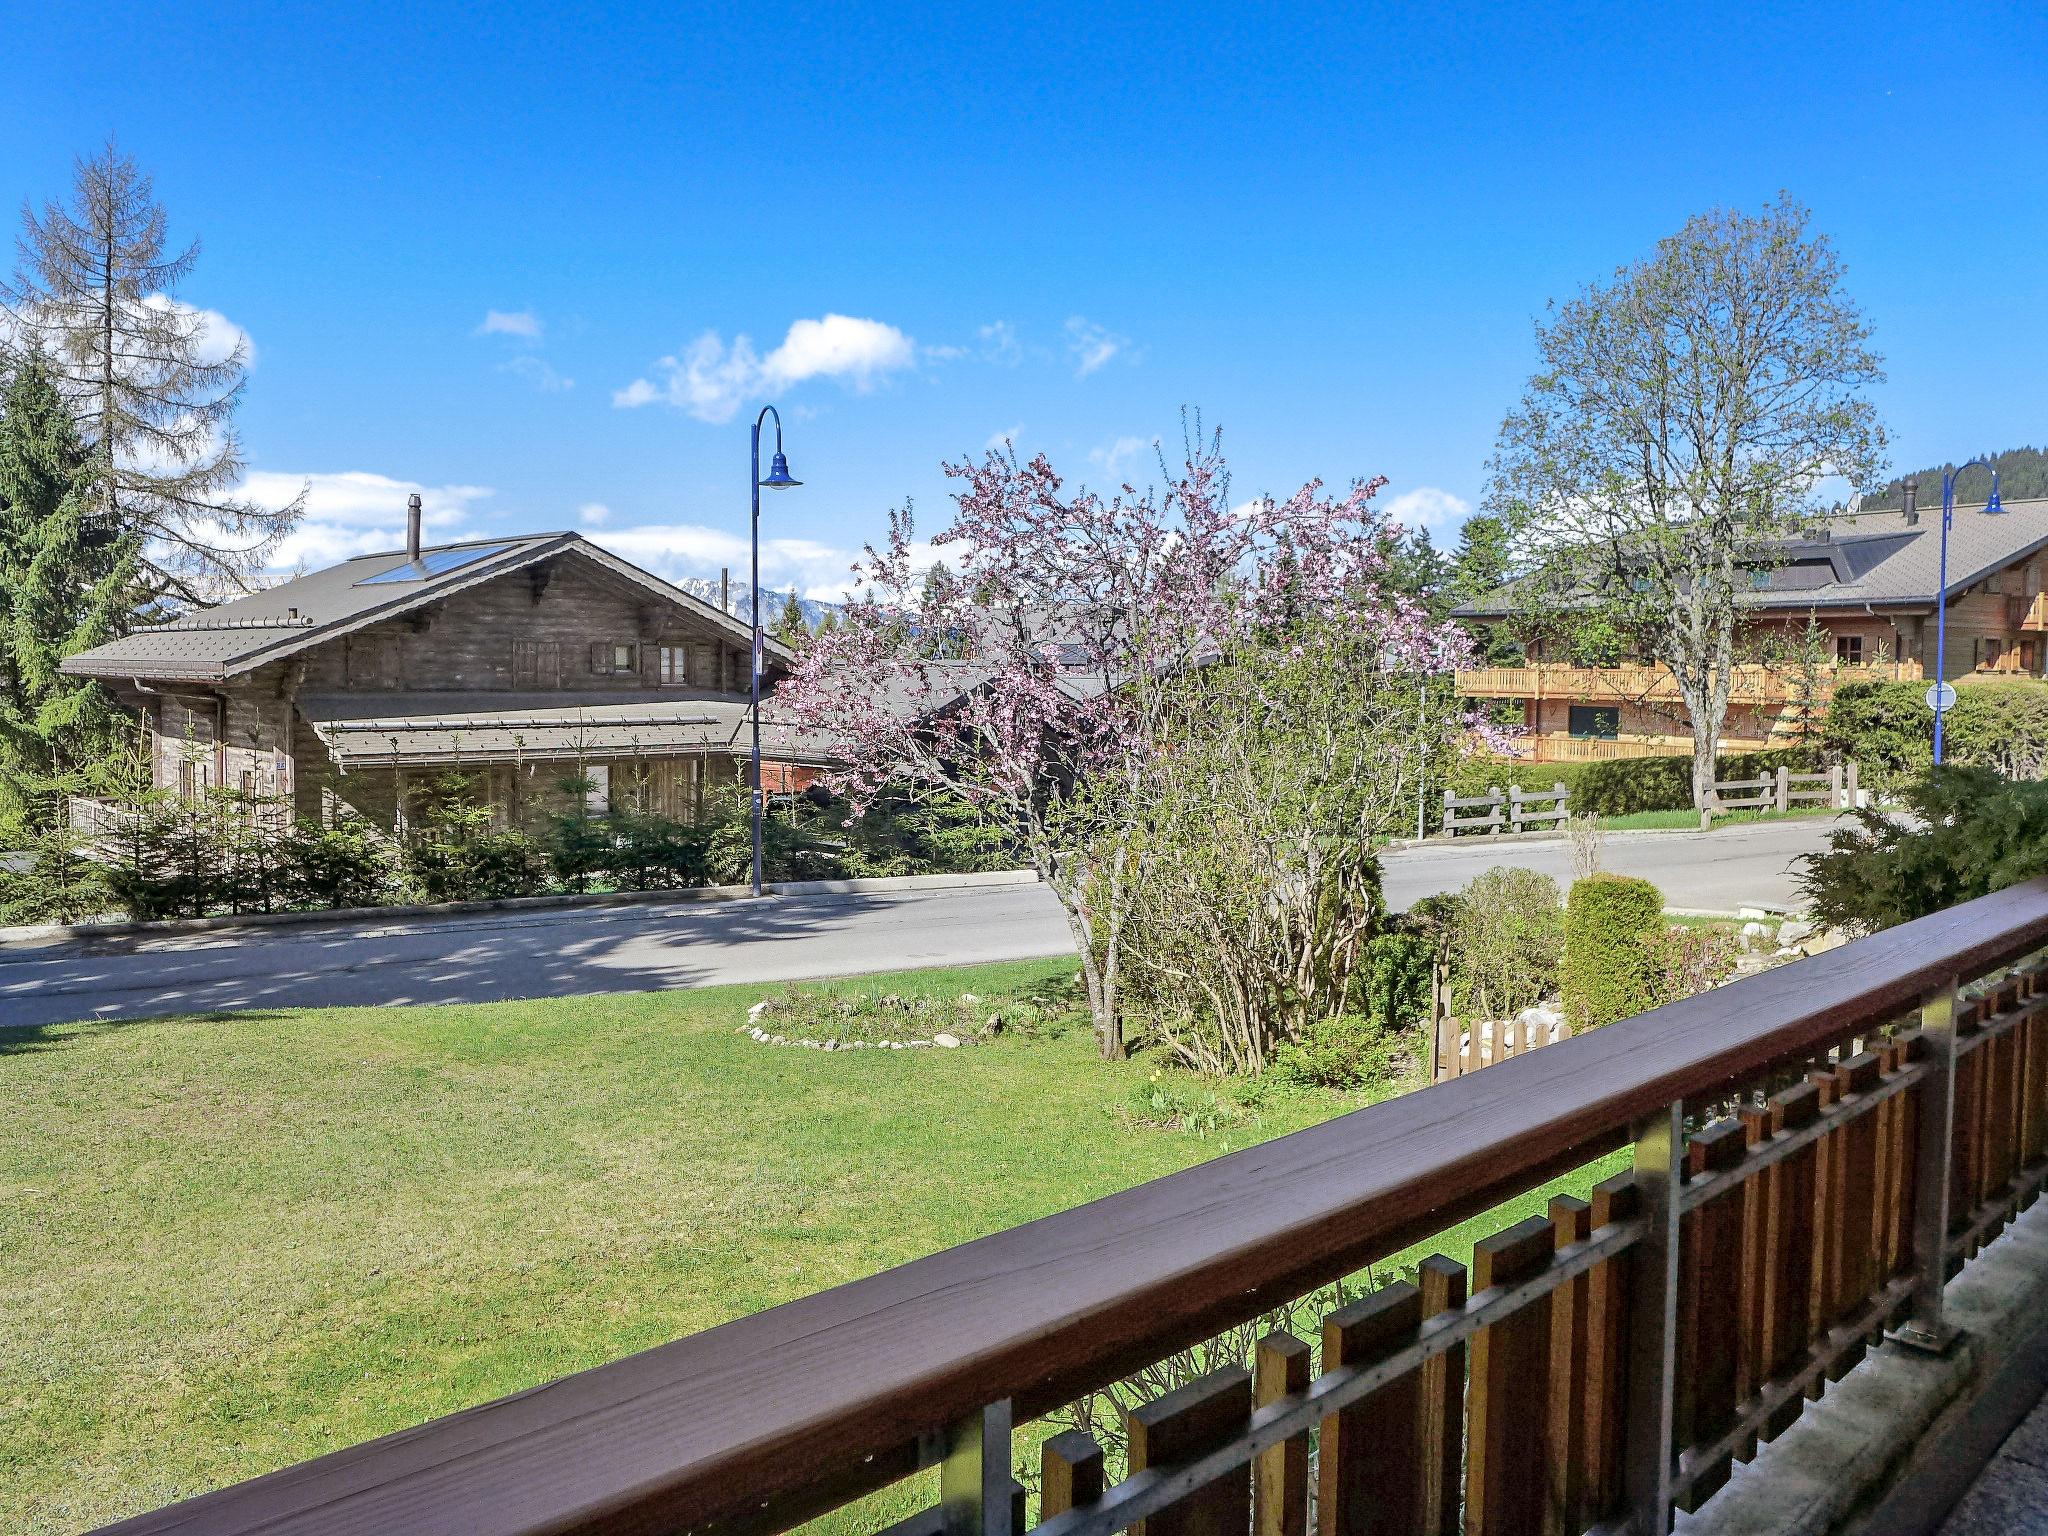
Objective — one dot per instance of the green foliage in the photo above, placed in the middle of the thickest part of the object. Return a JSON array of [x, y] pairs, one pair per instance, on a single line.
[[1613, 961], [789, 851], [61, 883], [453, 852], [2022, 476], [913, 835], [1169, 1102], [1506, 942], [1887, 730], [67, 579], [1624, 786], [1965, 832], [1348, 1051], [345, 865]]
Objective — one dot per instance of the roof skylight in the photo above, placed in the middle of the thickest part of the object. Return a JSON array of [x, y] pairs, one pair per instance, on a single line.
[[435, 562]]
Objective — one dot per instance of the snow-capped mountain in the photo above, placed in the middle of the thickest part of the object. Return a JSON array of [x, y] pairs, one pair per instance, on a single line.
[[739, 598]]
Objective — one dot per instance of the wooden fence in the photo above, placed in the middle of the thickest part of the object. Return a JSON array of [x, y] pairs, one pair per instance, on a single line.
[[1783, 790], [1511, 810], [1811, 1152], [1462, 1047]]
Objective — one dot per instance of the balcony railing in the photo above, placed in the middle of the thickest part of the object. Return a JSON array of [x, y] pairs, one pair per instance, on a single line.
[[1654, 685], [1813, 1150]]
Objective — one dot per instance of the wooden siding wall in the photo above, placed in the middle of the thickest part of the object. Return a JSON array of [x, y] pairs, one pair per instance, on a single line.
[[467, 643]]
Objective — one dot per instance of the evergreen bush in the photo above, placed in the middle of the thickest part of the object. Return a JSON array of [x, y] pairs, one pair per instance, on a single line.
[[1348, 1051], [1613, 952]]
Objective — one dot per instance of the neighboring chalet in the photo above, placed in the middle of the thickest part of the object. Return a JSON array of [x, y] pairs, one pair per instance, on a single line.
[[1869, 580], [516, 662]]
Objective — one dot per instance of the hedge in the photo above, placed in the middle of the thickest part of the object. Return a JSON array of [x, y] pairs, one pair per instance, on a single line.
[[1623, 786], [1612, 964], [1887, 730]]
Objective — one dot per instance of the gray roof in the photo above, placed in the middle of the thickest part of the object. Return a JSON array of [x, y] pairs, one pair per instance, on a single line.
[[1878, 559], [451, 728], [214, 644]]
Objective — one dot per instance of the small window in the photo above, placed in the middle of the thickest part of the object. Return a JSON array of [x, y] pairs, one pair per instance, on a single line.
[[1598, 722], [674, 666], [1759, 578], [1849, 650], [1988, 652], [611, 657]]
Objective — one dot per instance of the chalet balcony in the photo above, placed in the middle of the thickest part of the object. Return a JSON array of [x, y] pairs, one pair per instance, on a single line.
[[1654, 685], [1808, 1155], [2028, 614]]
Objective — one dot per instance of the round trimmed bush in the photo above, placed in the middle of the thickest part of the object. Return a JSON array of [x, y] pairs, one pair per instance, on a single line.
[[1612, 925]]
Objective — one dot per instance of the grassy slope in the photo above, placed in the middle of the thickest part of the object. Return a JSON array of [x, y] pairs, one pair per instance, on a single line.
[[229, 1243]]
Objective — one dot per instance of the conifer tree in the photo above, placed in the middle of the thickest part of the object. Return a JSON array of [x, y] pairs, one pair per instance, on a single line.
[[790, 626], [67, 583], [152, 386]]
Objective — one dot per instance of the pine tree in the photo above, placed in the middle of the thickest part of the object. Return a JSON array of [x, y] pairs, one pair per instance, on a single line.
[[67, 583], [790, 626], [152, 390]]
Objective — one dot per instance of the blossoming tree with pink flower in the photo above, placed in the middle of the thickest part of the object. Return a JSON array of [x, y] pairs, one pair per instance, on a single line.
[[1037, 671]]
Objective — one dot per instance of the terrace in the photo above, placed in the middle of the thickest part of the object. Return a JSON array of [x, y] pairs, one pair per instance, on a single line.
[[1811, 1154]]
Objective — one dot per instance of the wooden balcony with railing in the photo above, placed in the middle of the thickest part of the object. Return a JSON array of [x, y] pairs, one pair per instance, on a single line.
[[1655, 685], [1811, 1152], [2027, 614]]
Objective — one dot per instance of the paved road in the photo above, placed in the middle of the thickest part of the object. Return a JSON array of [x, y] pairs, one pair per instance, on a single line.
[[558, 952]]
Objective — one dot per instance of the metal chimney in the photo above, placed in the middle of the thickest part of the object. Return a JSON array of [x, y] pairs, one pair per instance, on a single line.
[[1911, 491], [412, 527]]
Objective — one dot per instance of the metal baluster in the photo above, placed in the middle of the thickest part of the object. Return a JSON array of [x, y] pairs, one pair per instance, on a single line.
[[975, 1486], [1653, 1322], [1926, 1329]]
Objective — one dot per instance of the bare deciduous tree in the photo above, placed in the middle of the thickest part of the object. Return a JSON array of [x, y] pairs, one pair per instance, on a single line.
[[152, 381], [1677, 432]]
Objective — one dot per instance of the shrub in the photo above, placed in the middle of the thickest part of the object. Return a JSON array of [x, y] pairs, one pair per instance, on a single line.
[[1506, 942], [1348, 1051], [1692, 960], [1392, 981], [2001, 726], [345, 865], [62, 883], [1967, 832], [1624, 786], [1613, 961], [455, 854], [1885, 729]]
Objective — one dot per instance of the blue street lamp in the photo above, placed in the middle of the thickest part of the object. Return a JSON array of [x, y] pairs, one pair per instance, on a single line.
[[778, 479], [1948, 513]]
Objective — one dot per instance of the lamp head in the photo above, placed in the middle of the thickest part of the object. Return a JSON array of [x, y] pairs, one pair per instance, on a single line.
[[778, 477], [1994, 504]]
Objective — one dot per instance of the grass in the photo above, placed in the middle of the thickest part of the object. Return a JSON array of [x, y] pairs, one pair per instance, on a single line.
[[231, 1242], [1689, 820]]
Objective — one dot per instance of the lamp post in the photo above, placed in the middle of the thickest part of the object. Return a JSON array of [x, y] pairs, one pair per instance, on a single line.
[[778, 480], [1994, 506]]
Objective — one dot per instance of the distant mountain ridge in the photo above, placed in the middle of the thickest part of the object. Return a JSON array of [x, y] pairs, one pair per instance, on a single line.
[[2022, 476], [740, 596]]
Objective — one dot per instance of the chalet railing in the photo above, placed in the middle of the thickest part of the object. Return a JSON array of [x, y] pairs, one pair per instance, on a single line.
[[1655, 685], [1814, 1150]]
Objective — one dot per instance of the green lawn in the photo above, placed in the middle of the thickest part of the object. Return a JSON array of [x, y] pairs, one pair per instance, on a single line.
[[231, 1242], [1689, 820]]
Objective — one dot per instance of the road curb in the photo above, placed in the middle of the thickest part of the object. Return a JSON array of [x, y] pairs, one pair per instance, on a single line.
[[47, 934]]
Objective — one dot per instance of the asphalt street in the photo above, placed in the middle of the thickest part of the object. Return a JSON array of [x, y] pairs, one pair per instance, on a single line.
[[568, 951]]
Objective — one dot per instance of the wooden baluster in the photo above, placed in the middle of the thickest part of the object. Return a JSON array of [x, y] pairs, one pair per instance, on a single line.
[[1936, 1181], [1826, 1221], [1606, 1363], [1758, 1122], [1443, 1404], [1855, 1243], [1188, 1422], [1281, 1367], [977, 1493], [1713, 1281], [1069, 1473], [1793, 1243], [1369, 1465], [1966, 1174], [1572, 1220], [1507, 1400]]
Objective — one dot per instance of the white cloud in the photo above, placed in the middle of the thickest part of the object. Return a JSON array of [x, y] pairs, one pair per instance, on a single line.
[[537, 372], [593, 514], [1005, 437], [511, 322], [1441, 512], [999, 343], [675, 550], [710, 380], [1116, 455], [1091, 345], [354, 512]]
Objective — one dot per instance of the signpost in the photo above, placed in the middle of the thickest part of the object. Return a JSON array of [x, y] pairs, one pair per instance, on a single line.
[[1941, 698]]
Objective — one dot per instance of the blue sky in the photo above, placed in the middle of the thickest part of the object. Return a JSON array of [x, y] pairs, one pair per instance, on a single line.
[[1330, 230]]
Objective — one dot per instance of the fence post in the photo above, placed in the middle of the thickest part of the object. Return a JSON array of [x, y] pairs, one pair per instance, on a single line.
[[1926, 1329], [1855, 796], [1653, 1323], [1784, 789], [1835, 787], [1450, 814], [975, 1486], [1514, 807]]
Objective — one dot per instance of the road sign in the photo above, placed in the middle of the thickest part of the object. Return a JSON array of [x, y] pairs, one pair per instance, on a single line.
[[1941, 698]]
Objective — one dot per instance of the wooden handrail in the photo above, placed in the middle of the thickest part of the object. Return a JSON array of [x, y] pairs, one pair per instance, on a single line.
[[764, 1421]]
